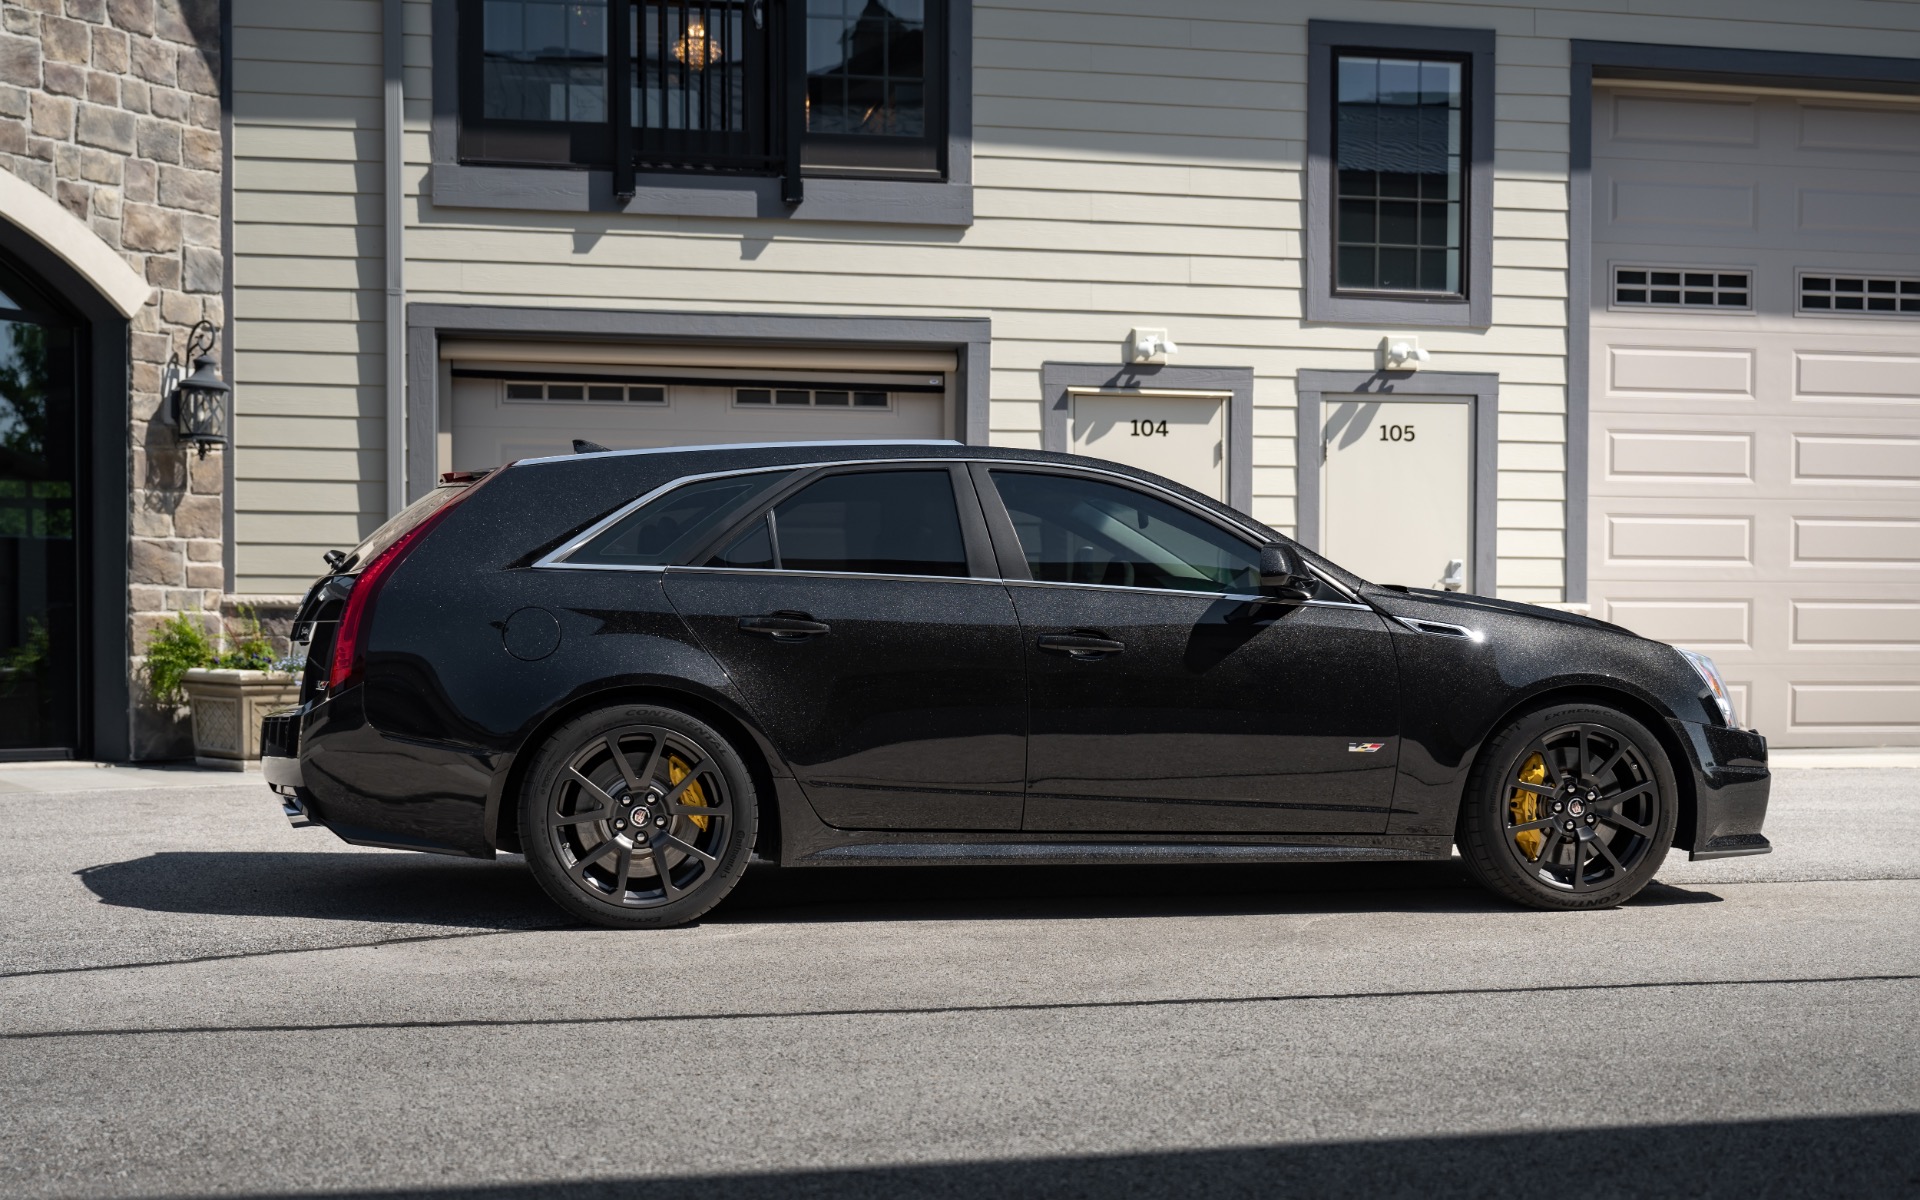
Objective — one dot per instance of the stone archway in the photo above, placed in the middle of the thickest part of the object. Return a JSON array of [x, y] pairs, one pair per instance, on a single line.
[[84, 287]]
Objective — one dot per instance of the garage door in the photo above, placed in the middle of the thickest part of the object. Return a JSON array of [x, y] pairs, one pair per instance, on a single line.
[[536, 402], [1756, 398]]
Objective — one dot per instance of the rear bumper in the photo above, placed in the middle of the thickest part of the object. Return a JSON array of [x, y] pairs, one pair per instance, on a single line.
[[328, 766], [1731, 784]]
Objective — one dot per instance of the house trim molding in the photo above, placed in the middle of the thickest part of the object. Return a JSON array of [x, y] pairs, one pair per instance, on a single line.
[[1482, 391], [969, 338], [1059, 380], [1319, 301]]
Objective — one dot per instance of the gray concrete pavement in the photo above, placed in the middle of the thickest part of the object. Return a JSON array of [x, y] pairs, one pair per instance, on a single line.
[[196, 999]]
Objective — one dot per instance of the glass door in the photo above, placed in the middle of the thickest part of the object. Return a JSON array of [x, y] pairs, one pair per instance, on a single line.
[[39, 563]]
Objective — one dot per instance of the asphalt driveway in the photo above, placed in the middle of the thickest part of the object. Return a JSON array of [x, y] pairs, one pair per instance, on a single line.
[[196, 999]]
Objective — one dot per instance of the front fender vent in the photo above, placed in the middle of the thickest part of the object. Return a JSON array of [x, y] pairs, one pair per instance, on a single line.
[[1442, 629]]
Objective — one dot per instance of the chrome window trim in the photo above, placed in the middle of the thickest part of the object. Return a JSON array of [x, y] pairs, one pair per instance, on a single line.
[[556, 559], [1123, 589], [786, 574], [553, 458]]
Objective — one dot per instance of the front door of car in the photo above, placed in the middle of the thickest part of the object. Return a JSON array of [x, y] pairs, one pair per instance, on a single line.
[[1164, 695], [861, 622]]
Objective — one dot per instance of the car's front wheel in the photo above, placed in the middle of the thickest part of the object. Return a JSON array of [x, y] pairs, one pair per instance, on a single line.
[[637, 817], [1570, 807]]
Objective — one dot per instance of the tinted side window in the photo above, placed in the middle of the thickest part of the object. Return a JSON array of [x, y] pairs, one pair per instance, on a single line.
[[878, 522], [669, 526], [1086, 531]]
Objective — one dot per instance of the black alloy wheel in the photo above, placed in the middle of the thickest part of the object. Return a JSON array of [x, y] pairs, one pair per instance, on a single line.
[[637, 817], [1570, 807]]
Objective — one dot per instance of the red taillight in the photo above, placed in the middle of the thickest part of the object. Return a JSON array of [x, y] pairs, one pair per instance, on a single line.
[[348, 651]]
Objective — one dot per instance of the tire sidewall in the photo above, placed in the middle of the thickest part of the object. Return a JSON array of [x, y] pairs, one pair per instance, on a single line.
[[1482, 834], [544, 860]]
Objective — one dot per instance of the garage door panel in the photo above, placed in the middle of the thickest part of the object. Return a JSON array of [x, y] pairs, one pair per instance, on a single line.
[[1755, 475], [1881, 376], [1827, 126]]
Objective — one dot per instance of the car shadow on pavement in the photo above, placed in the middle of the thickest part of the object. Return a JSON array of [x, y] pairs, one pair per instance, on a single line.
[[769, 894], [1874, 1155], [418, 889], [376, 887]]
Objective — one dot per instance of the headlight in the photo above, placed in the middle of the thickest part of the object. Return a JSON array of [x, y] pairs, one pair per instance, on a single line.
[[1710, 675]]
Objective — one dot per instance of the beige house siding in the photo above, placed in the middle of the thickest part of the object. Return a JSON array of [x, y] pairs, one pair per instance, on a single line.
[[1130, 169]]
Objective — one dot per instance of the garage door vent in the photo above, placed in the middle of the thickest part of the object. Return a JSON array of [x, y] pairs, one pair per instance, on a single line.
[[814, 398], [1681, 287], [1864, 295], [583, 393]]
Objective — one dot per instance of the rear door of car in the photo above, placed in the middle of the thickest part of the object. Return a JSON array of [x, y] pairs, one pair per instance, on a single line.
[[1166, 696], [860, 616]]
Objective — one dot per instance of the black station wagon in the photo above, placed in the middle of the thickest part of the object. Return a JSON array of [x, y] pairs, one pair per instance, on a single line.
[[641, 668]]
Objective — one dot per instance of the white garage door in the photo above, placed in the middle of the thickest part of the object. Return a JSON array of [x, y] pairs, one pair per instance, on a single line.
[[1756, 398], [503, 408]]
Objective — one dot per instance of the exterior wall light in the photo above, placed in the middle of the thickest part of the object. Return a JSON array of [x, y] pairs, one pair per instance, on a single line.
[[200, 399]]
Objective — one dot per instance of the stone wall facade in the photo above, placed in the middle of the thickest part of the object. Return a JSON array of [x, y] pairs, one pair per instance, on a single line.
[[112, 107]]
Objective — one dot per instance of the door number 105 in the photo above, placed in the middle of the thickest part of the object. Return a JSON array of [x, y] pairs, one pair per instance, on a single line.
[[1396, 433], [1149, 428]]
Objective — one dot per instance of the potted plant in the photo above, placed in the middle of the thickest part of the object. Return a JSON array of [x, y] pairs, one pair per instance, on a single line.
[[227, 686]]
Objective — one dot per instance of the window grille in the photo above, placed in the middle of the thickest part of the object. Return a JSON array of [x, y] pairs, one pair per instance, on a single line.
[[810, 398], [1681, 287], [582, 392], [1859, 295]]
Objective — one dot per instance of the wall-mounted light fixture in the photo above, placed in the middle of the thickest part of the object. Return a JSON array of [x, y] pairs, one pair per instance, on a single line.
[[199, 400], [1149, 346]]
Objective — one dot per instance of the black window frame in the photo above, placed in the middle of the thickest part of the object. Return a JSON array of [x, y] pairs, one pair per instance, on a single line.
[[1322, 298], [777, 107], [587, 143], [975, 541]]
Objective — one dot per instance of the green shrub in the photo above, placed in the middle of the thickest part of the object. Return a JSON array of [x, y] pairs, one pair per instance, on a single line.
[[181, 646], [177, 647]]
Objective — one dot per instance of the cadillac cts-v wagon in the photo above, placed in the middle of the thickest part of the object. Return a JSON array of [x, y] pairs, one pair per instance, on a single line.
[[641, 668]]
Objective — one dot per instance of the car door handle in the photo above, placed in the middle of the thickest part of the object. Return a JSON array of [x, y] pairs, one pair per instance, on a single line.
[[1079, 646], [784, 628]]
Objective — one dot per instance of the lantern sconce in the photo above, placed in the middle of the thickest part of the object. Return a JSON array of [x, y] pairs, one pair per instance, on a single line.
[[200, 399]]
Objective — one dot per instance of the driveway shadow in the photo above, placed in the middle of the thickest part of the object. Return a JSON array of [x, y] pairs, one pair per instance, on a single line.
[[428, 890], [409, 889]]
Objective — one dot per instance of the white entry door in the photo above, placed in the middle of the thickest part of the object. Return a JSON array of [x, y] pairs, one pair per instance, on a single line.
[[1181, 435], [1398, 490]]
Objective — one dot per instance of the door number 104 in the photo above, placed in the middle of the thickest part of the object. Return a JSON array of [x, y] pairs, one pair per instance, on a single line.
[[1149, 428], [1396, 433]]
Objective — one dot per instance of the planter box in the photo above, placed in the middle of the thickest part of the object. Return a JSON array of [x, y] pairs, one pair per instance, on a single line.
[[227, 707]]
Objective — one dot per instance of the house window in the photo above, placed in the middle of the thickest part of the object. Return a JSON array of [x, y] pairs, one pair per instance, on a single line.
[[1398, 204], [1399, 153], [841, 87], [534, 81], [873, 86]]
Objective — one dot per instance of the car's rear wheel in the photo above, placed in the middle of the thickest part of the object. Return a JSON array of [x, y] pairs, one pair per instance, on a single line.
[[1570, 807], [637, 817]]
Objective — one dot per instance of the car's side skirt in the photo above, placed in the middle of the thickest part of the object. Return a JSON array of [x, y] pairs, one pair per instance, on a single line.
[[1025, 853]]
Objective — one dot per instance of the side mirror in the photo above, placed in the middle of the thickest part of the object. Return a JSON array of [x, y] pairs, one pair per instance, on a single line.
[[1282, 577]]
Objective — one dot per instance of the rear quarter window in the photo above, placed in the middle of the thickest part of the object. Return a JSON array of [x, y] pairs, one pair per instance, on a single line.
[[671, 526]]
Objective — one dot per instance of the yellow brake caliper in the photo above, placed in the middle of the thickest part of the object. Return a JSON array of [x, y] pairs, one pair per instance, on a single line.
[[1526, 806], [693, 796]]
